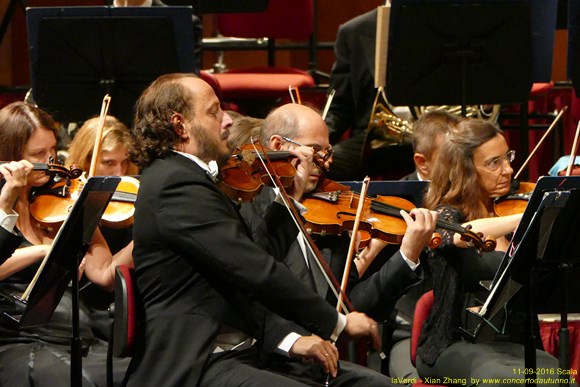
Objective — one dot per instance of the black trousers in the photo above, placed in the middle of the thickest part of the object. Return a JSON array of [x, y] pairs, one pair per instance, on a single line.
[[489, 364], [237, 368]]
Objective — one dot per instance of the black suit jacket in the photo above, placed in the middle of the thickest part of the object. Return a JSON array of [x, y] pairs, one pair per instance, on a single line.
[[197, 270], [352, 76], [411, 176]]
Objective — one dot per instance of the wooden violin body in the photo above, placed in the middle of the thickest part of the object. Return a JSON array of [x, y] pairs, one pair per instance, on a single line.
[[51, 205], [515, 202], [243, 177], [334, 213], [121, 209]]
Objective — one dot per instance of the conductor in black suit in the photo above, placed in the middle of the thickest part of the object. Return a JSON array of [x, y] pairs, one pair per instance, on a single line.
[[205, 285]]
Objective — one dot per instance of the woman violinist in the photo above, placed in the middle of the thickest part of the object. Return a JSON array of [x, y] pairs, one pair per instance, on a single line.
[[29, 133], [113, 160], [472, 169]]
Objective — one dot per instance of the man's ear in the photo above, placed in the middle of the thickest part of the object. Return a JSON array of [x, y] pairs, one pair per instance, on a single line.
[[177, 122], [421, 164], [276, 142]]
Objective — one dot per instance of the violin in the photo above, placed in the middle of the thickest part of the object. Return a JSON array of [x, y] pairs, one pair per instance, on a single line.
[[333, 212], [516, 201], [51, 203], [244, 175], [55, 170], [121, 209]]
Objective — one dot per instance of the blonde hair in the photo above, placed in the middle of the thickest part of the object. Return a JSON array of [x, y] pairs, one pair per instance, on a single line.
[[115, 133], [243, 129]]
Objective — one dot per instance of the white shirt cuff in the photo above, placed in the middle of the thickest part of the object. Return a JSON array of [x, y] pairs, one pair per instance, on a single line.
[[8, 221], [411, 264], [286, 344]]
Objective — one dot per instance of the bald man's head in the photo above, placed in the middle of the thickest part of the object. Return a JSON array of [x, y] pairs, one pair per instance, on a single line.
[[292, 121]]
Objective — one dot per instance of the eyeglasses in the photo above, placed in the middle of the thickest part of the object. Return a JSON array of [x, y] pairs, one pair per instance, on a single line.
[[323, 154], [495, 163]]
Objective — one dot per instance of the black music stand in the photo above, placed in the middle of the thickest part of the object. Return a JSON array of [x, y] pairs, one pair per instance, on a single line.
[[546, 239], [459, 52], [79, 54], [61, 266], [222, 6]]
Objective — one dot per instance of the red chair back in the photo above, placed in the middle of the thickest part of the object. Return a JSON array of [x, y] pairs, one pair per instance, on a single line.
[[125, 319], [422, 311], [283, 19]]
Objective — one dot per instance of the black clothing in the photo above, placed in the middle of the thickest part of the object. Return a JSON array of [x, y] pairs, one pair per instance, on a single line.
[[197, 271]]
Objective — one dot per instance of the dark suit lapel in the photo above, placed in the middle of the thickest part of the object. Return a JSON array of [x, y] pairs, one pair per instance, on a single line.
[[368, 46], [320, 282]]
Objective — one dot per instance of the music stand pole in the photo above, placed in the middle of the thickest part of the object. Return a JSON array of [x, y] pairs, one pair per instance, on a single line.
[[76, 354], [530, 341]]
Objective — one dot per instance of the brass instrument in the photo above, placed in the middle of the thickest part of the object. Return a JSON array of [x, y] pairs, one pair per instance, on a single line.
[[385, 127], [484, 112]]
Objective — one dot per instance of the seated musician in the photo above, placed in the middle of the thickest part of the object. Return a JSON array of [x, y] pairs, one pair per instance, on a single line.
[[113, 160], [283, 129], [429, 132], [202, 279], [14, 176], [374, 293], [472, 169], [37, 355]]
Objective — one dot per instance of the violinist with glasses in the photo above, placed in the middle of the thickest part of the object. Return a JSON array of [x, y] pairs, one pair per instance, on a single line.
[[293, 125], [375, 293], [473, 168], [40, 354]]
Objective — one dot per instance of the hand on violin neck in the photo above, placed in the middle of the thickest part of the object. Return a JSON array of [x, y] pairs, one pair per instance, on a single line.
[[494, 227], [420, 227], [304, 169], [15, 174]]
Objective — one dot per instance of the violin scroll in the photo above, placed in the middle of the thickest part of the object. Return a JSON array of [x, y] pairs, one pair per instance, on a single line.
[[54, 170], [477, 240], [436, 240]]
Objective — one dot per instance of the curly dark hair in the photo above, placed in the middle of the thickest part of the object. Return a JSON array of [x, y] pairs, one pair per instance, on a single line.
[[153, 134]]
